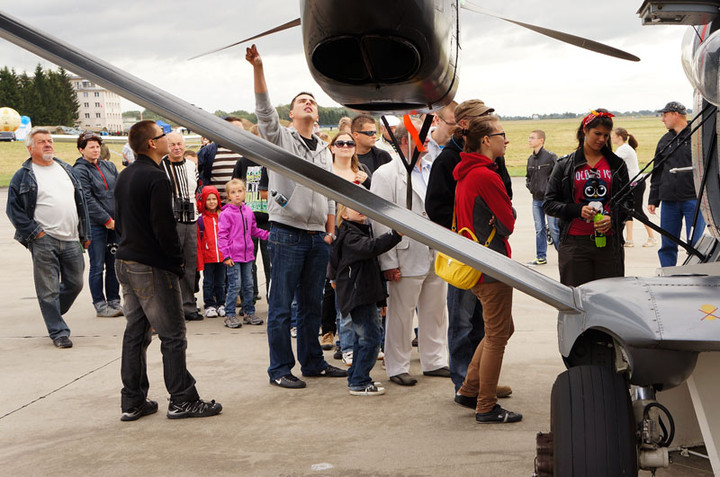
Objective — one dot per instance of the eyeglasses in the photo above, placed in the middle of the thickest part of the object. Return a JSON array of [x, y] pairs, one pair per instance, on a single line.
[[367, 133], [498, 134], [158, 137], [344, 143], [449, 124]]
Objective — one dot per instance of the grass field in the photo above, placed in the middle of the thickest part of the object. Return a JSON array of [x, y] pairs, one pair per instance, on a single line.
[[560, 139]]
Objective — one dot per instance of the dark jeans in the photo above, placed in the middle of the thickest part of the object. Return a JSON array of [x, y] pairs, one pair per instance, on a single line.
[[214, 284], [58, 272], [239, 278], [465, 331], [261, 246], [152, 299], [102, 260], [299, 264], [188, 242], [671, 219], [328, 309], [580, 261], [368, 333]]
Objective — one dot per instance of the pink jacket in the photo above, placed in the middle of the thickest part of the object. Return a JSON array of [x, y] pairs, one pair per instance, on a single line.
[[236, 228]]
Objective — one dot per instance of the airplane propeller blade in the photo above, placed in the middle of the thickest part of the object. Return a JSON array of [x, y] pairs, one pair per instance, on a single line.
[[558, 35], [284, 26]]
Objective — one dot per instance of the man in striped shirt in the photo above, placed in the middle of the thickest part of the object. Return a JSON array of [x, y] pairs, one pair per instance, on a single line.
[[221, 168], [183, 177]]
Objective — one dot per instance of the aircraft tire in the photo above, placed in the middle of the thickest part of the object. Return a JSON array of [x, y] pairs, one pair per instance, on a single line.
[[592, 424]]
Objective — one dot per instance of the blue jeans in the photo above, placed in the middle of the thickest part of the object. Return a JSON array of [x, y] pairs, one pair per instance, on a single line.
[[152, 301], [299, 262], [58, 272], [240, 276], [214, 284], [541, 230], [671, 218], [465, 331], [365, 323], [101, 259]]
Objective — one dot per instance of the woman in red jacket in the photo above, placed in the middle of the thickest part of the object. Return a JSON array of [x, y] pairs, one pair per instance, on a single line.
[[483, 205]]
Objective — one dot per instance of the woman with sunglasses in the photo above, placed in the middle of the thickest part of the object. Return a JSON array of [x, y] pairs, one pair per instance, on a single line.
[[345, 160], [98, 179], [584, 193], [483, 205]]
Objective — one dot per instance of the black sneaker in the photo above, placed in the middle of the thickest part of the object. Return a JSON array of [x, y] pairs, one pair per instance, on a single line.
[[338, 353], [497, 414], [330, 372], [289, 381], [465, 401], [62, 342], [199, 408], [135, 413], [194, 316]]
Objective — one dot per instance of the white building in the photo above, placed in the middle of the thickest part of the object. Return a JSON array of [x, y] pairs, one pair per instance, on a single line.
[[99, 108]]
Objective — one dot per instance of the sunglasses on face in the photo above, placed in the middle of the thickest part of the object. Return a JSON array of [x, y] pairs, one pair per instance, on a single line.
[[367, 133], [498, 134], [342, 143], [158, 137]]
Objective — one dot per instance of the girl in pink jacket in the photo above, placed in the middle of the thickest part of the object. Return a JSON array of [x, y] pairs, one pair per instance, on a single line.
[[236, 229]]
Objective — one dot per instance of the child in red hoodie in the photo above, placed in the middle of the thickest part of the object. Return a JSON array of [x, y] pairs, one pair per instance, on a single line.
[[209, 253]]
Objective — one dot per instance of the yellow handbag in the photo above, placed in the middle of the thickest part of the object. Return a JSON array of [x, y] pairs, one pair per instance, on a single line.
[[454, 271]]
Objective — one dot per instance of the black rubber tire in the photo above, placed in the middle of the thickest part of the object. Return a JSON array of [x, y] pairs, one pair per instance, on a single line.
[[592, 424]]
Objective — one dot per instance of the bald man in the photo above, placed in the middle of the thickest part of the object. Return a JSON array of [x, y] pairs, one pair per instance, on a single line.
[[183, 177]]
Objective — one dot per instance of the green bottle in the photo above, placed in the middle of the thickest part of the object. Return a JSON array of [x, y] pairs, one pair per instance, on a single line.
[[600, 239]]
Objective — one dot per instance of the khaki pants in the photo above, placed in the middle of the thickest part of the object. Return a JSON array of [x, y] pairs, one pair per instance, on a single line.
[[484, 370]]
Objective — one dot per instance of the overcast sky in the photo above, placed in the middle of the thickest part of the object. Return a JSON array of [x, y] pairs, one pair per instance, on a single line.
[[516, 71]]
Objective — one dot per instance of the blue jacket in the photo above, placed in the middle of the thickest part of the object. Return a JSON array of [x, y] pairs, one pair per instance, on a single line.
[[98, 182], [22, 199]]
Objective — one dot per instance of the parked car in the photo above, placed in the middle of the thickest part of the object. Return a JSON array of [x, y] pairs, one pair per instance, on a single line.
[[7, 136]]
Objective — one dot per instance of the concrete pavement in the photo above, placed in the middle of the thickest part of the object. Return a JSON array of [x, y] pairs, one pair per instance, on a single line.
[[60, 409]]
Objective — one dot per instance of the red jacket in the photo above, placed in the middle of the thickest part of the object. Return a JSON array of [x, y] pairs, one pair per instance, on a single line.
[[208, 251], [476, 177]]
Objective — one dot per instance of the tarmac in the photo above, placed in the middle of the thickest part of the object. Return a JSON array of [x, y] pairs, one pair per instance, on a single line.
[[60, 409]]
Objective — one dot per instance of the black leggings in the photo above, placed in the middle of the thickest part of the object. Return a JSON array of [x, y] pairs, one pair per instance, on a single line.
[[638, 194]]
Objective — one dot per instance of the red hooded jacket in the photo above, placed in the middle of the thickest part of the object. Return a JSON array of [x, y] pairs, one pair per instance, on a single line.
[[208, 251], [476, 177]]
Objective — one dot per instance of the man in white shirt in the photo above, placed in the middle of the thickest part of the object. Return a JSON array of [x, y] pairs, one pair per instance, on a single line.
[[441, 131], [183, 181], [46, 207], [409, 269]]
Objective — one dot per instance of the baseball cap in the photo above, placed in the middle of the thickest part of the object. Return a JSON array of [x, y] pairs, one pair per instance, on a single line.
[[673, 107], [391, 120], [472, 108]]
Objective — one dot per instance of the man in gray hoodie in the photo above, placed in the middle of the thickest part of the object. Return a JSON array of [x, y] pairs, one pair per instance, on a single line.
[[302, 226]]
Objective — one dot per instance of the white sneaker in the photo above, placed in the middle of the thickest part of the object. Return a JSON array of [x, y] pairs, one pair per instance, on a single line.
[[221, 310], [293, 332], [370, 390], [348, 358], [381, 355], [211, 312]]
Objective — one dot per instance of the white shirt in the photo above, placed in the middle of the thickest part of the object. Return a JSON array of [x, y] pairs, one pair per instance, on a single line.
[[420, 177], [627, 154], [56, 211]]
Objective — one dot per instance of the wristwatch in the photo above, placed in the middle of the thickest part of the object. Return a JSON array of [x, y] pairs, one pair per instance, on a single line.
[[332, 236]]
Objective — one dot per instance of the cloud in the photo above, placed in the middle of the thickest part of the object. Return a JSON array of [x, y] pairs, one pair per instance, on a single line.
[[517, 71]]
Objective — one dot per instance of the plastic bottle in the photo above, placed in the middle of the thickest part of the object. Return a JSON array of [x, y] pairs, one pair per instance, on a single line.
[[600, 238], [279, 198]]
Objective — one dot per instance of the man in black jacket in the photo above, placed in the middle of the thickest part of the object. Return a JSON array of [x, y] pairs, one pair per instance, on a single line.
[[675, 189], [466, 327], [539, 166], [149, 265]]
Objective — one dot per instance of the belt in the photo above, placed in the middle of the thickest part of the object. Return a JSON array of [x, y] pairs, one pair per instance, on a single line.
[[297, 230]]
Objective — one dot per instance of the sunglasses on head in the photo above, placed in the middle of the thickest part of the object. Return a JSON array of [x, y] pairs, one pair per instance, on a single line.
[[367, 133], [342, 143]]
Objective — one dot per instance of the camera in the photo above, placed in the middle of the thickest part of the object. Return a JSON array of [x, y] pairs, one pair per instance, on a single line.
[[112, 247]]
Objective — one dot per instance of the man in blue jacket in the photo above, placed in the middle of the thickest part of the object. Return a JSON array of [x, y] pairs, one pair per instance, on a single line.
[[46, 207]]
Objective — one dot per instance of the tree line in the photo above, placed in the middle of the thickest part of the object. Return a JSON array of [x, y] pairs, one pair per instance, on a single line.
[[47, 97], [327, 116]]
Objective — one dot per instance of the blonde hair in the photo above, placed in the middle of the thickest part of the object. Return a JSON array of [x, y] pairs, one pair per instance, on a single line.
[[233, 184], [340, 210]]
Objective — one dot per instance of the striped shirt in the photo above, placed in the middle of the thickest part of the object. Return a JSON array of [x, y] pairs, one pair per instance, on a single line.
[[222, 169], [183, 177]]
